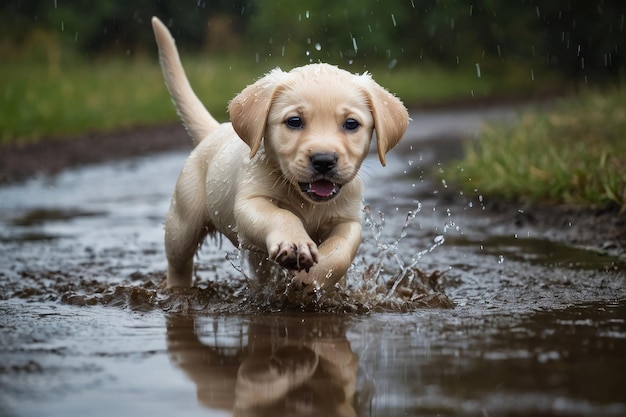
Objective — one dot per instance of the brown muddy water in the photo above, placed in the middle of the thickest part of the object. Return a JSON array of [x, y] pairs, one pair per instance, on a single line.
[[446, 311]]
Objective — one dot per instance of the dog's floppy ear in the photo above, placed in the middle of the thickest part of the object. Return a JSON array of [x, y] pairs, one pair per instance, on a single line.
[[250, 108], [391, 118]]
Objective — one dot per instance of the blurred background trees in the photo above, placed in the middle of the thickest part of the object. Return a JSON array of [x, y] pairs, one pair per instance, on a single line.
[[582, 40]]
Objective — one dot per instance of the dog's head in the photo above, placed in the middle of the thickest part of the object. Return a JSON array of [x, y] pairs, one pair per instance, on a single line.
[[317, 122]]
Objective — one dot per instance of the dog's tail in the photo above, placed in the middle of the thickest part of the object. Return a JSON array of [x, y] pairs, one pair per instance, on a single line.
[[197, 120]]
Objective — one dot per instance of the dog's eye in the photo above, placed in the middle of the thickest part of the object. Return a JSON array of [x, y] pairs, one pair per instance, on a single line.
[[294, 123], [351, 124]]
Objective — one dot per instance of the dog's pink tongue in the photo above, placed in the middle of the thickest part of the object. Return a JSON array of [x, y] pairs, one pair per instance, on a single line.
[[323, 188]]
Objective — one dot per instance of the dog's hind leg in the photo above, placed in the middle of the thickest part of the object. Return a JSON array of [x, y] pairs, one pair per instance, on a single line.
[[186, 225]]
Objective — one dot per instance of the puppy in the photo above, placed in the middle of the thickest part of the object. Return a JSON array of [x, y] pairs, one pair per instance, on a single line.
[[281, 179]]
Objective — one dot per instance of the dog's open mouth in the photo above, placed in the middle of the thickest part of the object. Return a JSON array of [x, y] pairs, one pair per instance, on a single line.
[[320, 190]]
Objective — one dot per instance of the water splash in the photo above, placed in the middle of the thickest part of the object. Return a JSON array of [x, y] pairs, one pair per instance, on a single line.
[[390, 282], [384, 277]]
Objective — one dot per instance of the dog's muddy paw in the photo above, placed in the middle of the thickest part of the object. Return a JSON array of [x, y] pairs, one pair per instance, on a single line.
[[295, 256], [304, 282]]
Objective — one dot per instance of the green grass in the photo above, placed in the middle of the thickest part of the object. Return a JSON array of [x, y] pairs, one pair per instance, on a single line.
[[427, 84], [574, 154], [39, 102], [70, 97]]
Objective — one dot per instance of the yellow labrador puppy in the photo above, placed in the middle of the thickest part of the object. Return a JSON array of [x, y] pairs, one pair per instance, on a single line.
[[281, 178]]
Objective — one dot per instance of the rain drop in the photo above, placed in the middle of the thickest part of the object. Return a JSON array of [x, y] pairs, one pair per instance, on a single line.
[[478, 69], [318, 47]]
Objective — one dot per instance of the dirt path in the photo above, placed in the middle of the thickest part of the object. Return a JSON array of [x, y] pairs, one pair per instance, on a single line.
[[50, 156]]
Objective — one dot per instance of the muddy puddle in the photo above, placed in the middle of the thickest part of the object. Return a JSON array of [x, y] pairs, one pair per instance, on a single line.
[[446, 310]]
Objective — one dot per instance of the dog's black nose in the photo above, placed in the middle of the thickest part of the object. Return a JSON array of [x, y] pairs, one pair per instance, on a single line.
[[323, 162]]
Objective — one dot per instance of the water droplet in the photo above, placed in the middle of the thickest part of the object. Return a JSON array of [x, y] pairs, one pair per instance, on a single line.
[[478, 69], [501, 259], [318, 47], [448, 225], [354, 45]]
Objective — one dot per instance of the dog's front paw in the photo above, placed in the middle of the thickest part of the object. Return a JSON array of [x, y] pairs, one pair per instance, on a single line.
[[296, 256]]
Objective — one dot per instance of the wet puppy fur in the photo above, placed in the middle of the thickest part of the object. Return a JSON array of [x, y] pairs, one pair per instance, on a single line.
[[281, 179]]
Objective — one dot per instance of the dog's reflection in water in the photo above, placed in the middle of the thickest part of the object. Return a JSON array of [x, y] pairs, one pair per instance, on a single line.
[[267, 366]]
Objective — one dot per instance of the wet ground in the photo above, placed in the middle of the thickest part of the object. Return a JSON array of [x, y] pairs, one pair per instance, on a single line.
[[451, 307]]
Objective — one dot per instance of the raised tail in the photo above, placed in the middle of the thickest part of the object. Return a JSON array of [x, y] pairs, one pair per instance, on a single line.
[[197, 120]]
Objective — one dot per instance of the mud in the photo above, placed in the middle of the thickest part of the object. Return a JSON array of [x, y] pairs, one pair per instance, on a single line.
[[455, 305]]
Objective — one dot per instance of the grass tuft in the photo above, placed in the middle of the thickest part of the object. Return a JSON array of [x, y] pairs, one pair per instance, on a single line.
[[572, 154]]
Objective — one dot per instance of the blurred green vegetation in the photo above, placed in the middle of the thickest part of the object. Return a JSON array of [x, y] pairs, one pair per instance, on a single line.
[[105, 95], [83, 65], [581, 40], [574, 153]]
